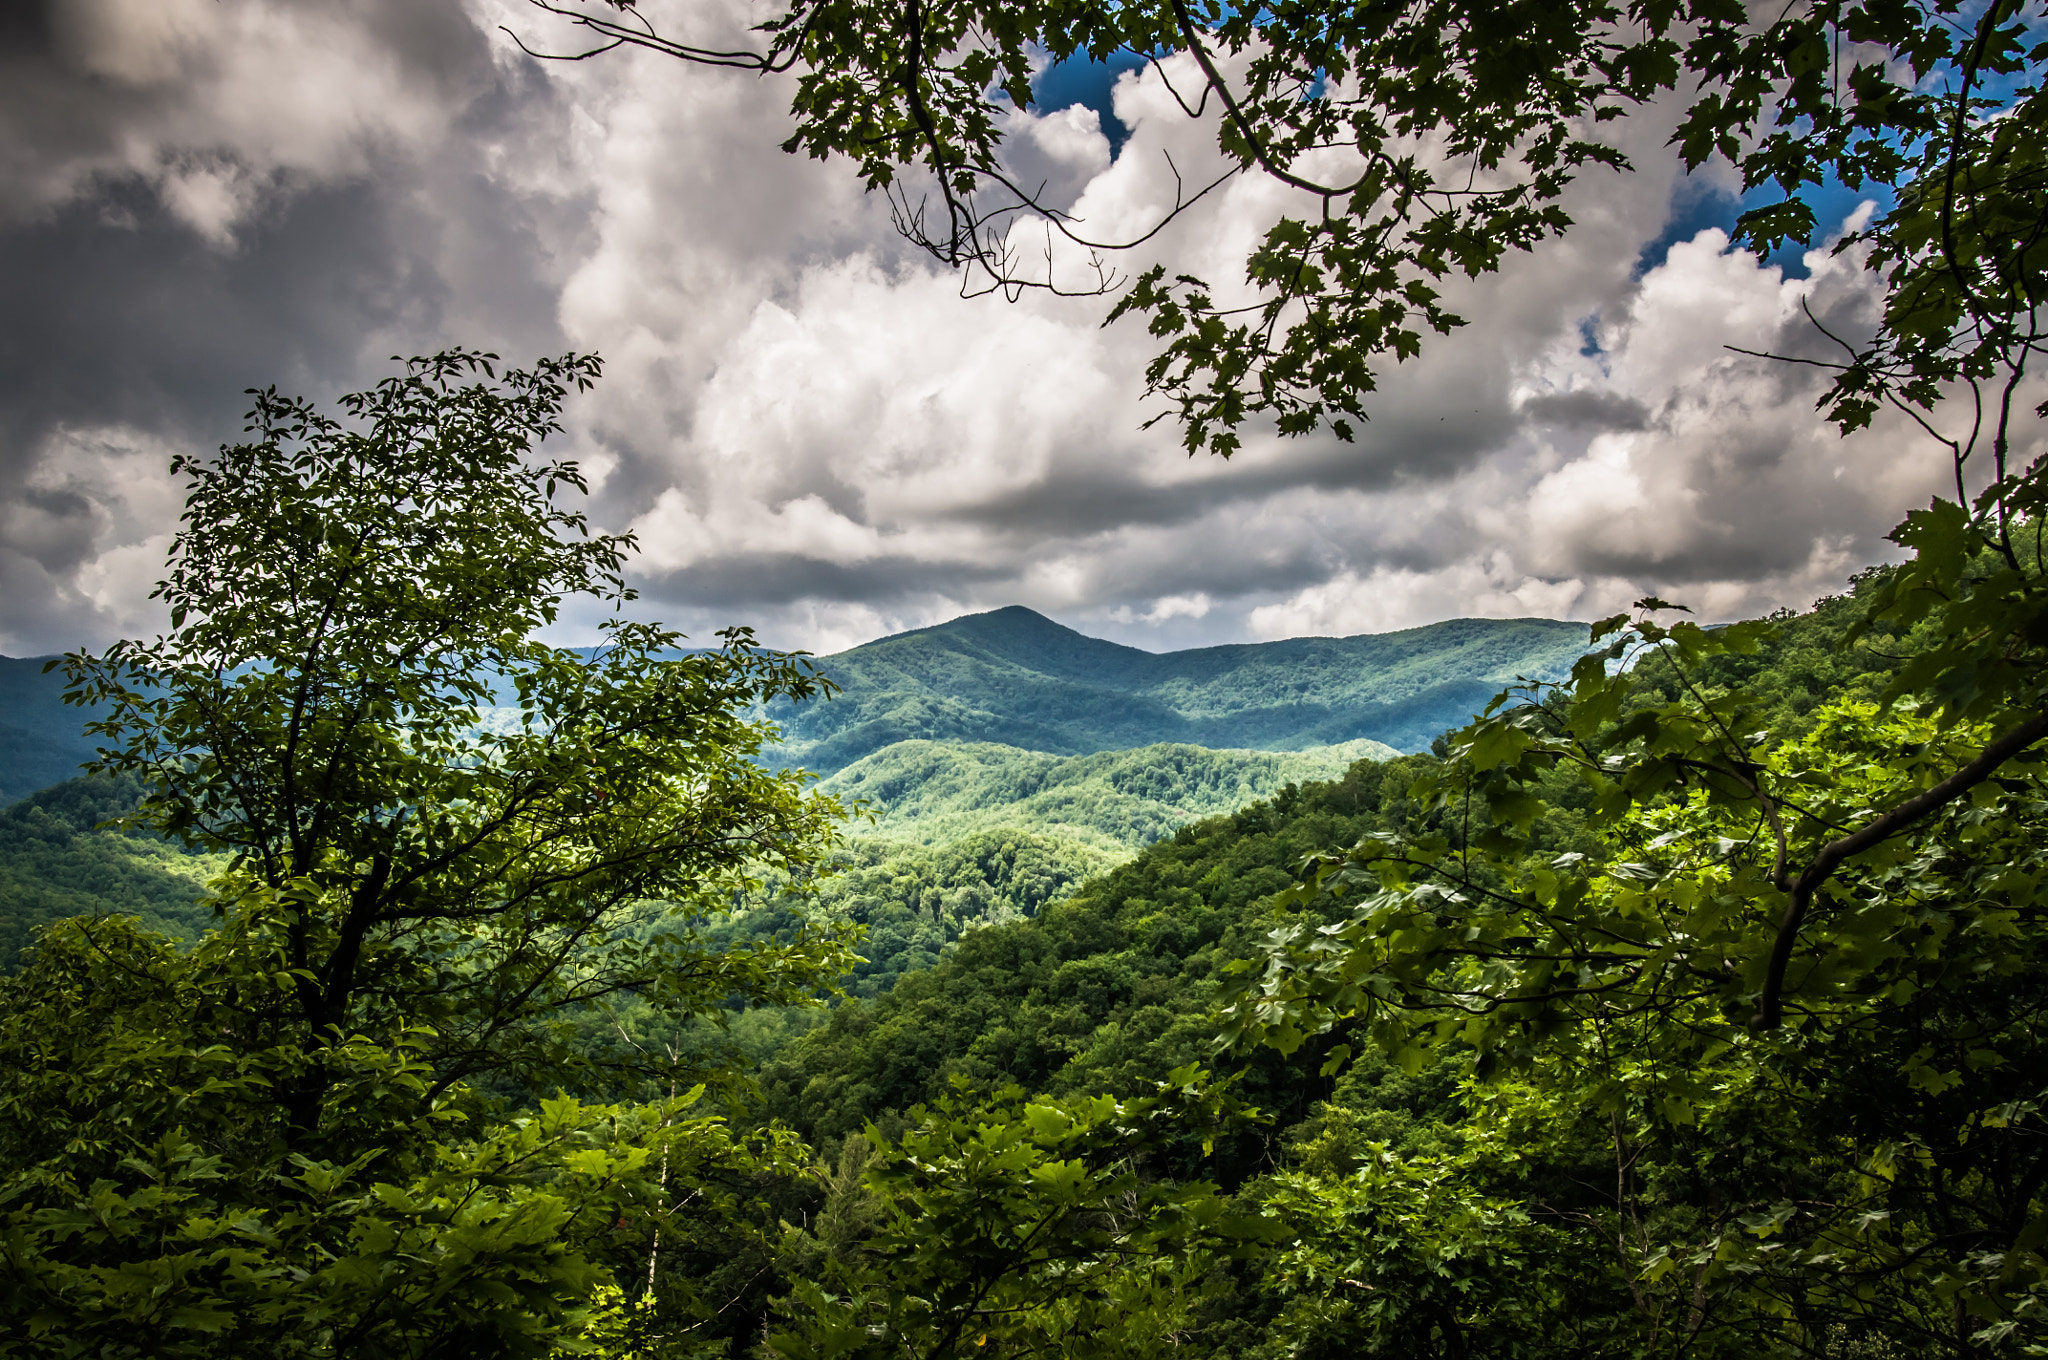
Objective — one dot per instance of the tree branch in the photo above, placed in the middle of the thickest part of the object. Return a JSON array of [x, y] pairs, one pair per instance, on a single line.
[[1770, 1004]]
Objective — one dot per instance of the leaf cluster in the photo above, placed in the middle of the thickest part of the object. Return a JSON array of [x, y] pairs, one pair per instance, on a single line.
[[1429, 141]]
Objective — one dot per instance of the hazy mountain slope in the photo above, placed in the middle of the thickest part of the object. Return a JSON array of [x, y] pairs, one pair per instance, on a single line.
[[42, 740], [1016, 678], [931, 792]]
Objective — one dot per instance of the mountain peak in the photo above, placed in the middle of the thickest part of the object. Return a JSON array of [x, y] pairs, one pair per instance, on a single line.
[[1021, 637], [1010, 618], [1017, 678]]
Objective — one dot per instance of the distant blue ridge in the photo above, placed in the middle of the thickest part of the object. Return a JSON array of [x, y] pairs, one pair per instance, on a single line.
[[1015, 677], [42, 739]]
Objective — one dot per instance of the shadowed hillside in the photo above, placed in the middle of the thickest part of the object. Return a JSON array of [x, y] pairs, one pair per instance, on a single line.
[[54, 862]]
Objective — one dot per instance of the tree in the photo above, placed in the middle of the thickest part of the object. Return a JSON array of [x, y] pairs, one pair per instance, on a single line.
[[450, 841], [1799, 994], [1013, 1226], [1765, 913], [471, 830], [155, 1202], [1432, 139]]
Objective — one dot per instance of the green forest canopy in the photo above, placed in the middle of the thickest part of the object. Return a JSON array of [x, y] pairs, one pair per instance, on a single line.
[[1665, 1014], [931, 792]]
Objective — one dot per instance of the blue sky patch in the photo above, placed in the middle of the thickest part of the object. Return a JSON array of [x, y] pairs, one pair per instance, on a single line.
[[1078, 80], [1697, 205]]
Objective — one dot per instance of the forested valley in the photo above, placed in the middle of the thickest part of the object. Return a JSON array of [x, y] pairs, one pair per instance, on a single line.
[[397, 984], [1021, 992]]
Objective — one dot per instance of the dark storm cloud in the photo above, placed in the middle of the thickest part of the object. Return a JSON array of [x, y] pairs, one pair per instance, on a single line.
[[146, 324], [83, 84], [1095, 500], [1107, 497], [1587, 410], [122, 312], [1265, 570], [1410, 448], [24, 27], [742, 579], [118, 311]]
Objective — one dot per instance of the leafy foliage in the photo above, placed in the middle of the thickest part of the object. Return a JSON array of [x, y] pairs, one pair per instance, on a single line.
[[1872, 1167], [1800, 987], [156, 1200], [1025, 1226], [314, 714], [289, 1138]]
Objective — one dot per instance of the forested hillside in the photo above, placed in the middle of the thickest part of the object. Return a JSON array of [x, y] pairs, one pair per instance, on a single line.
[[53, 863], [962, 836], [1120, 984], [1116, 984], [1016, 678], [931, 792], [914, 900], [1102, 991]]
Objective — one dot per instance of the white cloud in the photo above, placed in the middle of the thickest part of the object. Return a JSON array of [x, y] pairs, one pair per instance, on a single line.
[[219, 103], [805, 423], [84, 537], [1384, 599]]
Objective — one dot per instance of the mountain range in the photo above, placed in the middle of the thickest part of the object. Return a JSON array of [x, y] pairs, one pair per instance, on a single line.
[[1000, 760], [1016, 678]]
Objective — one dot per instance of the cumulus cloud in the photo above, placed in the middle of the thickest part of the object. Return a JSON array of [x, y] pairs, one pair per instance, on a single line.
[[803, 421], [214, 102], [197, 197]]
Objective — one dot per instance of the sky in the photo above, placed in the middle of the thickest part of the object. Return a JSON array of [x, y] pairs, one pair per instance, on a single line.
[[806, 425]]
